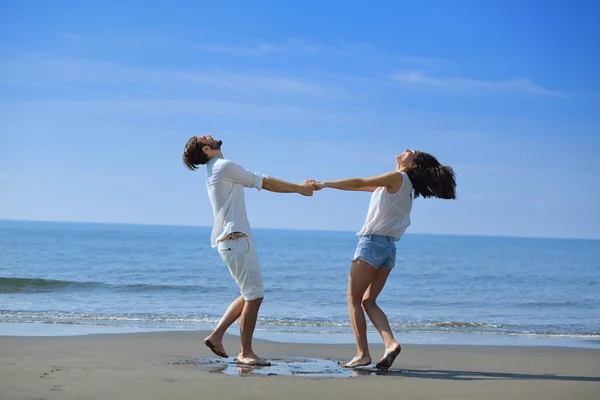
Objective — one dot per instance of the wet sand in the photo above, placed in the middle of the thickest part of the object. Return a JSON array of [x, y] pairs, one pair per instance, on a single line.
[[177, 365]]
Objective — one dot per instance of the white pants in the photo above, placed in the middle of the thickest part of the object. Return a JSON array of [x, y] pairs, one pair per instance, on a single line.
[[241, 258]]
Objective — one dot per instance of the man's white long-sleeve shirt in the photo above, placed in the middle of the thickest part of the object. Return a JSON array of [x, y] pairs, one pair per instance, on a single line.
[[225, 181]]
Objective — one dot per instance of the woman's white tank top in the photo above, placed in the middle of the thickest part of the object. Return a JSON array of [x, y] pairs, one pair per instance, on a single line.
[[389, 214]]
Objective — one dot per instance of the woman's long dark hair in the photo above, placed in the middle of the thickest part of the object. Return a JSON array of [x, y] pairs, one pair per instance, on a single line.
[[432, 179]]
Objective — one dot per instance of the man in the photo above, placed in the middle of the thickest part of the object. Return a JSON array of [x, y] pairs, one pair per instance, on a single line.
[[232, 236]]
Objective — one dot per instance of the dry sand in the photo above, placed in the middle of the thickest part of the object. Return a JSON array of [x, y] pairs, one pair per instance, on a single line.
[[176, 365]]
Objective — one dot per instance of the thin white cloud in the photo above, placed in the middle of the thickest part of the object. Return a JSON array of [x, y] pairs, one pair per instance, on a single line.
[[113, 38], [420, 79], [257, 50], [154, 108], [67, 72], [14, 114], [293, 46], [340, 51], [272, 83], [260, 49]]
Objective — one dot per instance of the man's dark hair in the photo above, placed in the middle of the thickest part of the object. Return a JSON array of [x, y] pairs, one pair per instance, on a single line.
[[193, 155]]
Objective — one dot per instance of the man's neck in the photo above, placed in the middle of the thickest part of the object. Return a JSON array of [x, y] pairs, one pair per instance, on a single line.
[[216, 155]]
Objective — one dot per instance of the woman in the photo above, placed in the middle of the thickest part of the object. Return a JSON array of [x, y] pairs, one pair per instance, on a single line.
[[417, 174]]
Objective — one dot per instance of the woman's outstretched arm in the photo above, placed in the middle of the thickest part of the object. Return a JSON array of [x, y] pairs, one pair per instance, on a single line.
[[390, 180]]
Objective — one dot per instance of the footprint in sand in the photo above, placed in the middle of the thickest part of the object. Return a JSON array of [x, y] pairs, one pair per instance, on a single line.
[[46, 375]]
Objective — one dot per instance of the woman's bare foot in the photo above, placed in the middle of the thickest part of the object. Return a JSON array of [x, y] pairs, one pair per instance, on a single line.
[[216, 346], [388, 357], [252, 359], [357, 362]]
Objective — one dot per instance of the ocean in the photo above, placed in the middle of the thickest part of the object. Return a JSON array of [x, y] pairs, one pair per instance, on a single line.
[[74, 278]]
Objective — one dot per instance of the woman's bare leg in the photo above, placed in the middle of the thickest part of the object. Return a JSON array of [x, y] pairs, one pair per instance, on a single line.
[[379, 319], [361, 275]]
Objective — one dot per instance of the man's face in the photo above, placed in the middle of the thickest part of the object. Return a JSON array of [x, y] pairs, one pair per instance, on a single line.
[[210, 142]]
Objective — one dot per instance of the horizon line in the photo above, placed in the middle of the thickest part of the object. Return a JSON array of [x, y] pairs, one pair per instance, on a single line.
[[297, 229]]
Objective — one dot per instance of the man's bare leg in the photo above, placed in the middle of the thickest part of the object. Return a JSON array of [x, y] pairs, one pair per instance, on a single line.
[[379, 319], [247, 325], [361, 275], [214, 341]]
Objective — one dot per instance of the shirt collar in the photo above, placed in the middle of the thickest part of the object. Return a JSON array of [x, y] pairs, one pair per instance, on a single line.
[[211, 162]]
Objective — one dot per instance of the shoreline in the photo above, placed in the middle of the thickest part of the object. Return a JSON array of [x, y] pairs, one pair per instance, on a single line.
[[20, 329], [166, 365]]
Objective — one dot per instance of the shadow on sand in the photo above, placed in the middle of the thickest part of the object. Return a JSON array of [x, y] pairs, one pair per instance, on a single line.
[[324, 368], [470, 375]]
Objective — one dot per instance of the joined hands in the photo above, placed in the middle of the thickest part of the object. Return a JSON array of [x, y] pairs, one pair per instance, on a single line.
[[310, 185]]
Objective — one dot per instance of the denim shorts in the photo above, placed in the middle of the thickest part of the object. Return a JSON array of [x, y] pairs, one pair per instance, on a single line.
[[378, 251]]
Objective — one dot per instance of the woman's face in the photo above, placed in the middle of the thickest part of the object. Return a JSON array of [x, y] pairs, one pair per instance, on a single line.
[[406, 158]]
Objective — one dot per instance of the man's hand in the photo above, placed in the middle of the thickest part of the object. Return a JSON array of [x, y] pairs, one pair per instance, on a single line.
[[279, 186], [306, 189], [317, 185]]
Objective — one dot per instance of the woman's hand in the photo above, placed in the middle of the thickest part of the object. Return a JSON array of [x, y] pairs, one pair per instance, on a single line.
[[317, 185]]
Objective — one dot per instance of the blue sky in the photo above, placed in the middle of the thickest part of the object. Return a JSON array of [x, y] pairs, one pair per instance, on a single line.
[[97, 102]]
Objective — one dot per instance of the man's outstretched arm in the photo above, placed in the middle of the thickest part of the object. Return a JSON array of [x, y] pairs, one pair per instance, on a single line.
[[232, 172], [279, 186]]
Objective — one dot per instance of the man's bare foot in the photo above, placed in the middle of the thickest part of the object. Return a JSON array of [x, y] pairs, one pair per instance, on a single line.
[[357, 362], [388, 357], [252, 359], [216, 347]]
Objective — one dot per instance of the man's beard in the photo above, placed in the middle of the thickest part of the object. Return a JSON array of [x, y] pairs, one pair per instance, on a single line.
[[216, 145]]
